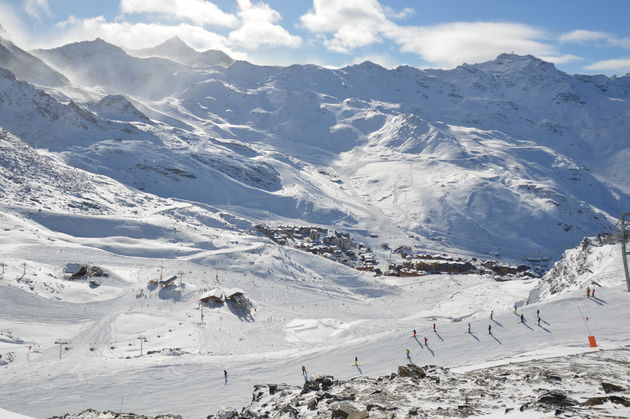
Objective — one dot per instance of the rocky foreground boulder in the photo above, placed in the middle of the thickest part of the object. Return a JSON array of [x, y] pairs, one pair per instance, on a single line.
[[573, 386]]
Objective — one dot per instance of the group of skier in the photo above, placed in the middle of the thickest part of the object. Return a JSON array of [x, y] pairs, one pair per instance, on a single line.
[[522, 318], [590, 293]]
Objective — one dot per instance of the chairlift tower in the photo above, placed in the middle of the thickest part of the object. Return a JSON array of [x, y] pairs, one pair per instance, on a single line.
[[625, 237], [61, 342], [142, 340]]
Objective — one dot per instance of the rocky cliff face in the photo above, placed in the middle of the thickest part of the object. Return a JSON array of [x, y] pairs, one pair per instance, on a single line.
[[587, 265]]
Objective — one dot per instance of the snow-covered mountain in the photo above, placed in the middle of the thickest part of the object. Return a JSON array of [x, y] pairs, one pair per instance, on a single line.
[[45, 122], [509, 157], [98, 63]]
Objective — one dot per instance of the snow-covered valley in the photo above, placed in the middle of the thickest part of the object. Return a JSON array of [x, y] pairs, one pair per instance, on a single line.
[[161, 164]]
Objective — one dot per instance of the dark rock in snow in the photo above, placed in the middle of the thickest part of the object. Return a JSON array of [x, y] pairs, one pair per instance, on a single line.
[[361, 414], [312, 405], [319, 383], [289, 409], [557, 399], [619, 400], [594, 401], [226, 414], [342, 410], [611, 388], [552, 377], [412, 371]]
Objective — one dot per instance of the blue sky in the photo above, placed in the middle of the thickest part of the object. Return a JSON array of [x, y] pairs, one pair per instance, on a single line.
[[578, 36]]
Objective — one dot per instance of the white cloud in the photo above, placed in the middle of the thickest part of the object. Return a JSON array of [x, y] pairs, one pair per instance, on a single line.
[[199, 12], [258, 27], [352, 23], [585, 37], [345, 26], [620, 65], [137, 35], [561, 59], [451, 44], [13, 27], [36, 8], [402, 14], [581, 36]]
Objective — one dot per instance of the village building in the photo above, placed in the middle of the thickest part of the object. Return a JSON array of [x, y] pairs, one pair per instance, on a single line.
[[215, 295]]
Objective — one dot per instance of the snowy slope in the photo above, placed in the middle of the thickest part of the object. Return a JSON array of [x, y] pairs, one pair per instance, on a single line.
[[28, 67], [45, 122], [455, 185], [308, 312], [119, 108]]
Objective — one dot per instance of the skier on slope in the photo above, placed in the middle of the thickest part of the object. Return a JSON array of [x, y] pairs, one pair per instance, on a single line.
[[426, 341], [356, 361], [588, 292], [522, 318], [414, 333], [593, 292], [434, 328], [303, 370], [489, 329], [492, 315], [407, 351], [468, 327]]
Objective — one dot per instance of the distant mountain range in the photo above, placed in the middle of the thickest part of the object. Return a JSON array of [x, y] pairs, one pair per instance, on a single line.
[[510, 157]]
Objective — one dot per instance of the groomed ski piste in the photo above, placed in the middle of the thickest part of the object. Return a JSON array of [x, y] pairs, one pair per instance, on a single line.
[[306, 310]]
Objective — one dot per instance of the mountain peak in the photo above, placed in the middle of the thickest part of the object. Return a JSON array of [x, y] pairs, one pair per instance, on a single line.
[[510, 63], [176, 49], [367, 65], [97, 46], [174, 41], [173, 47], [512, 57]]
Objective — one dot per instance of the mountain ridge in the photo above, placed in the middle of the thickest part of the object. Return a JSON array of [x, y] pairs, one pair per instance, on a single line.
[[177, 50]]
